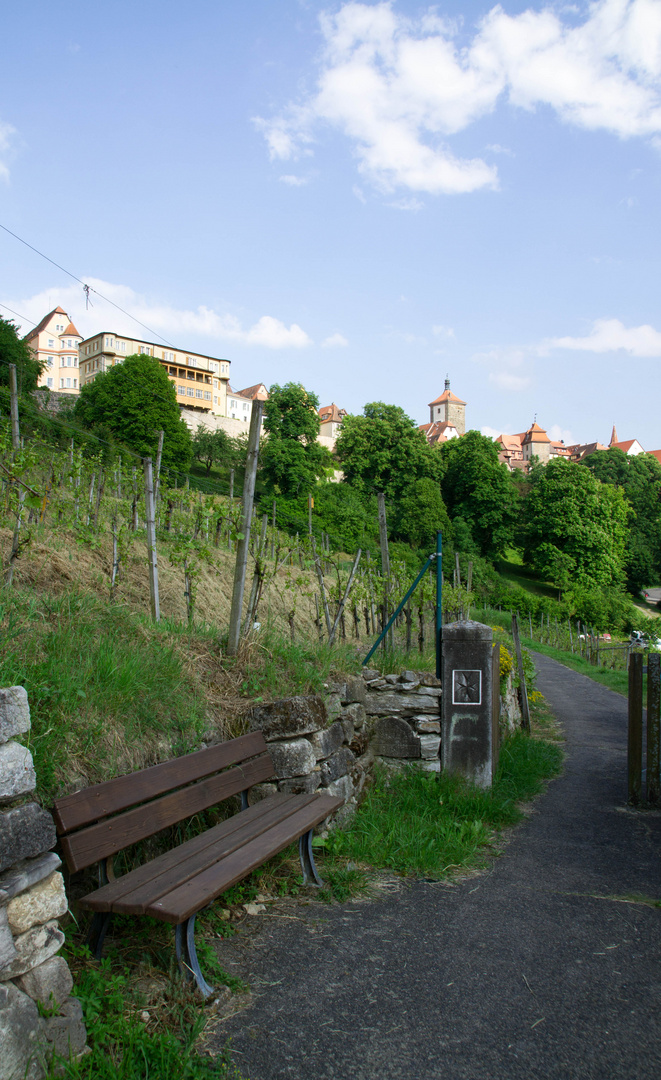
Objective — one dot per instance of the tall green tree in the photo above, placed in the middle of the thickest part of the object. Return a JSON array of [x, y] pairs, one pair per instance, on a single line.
[[214, 447], [421, 513], [132, 402], [639, 476], [479, 491], [384, 450], [575, 526], [15, 350], [291, 458]]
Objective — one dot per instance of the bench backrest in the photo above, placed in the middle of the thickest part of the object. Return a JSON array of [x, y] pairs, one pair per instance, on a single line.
[[101, 820]]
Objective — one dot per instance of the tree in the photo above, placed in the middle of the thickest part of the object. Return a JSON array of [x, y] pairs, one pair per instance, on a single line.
[[292, 460], [575, 527], [133, 401], [478, 489], [421, 513], [384, 450], [14, 350], [639, 476], [213, 447]]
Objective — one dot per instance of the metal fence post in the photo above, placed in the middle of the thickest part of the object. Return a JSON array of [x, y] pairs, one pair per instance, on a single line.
[[439, 604], [635, 731], [653, 727]]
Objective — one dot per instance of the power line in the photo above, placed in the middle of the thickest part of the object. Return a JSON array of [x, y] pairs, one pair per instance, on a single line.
[[88, 288], [21, 317]]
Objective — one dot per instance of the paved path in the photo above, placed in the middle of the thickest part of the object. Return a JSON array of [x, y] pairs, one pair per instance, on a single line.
[[532, 970]]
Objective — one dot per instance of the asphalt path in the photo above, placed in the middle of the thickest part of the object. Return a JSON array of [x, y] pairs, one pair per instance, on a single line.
[[545, 966]]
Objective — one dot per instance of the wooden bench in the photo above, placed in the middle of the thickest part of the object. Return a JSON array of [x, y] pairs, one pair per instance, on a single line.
[[98, 822]]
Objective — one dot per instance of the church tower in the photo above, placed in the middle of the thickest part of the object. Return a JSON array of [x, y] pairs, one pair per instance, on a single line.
[[448, 409]]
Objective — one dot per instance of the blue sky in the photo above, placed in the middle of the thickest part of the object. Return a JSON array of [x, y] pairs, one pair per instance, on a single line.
[[359, 197]]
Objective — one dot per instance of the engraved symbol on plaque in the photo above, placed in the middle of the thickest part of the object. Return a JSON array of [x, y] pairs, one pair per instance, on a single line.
[[467, 687]]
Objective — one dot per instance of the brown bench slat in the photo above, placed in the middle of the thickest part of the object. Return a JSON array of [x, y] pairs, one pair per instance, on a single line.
[[187, 899], [84, 807], [108, 837], [137, 902], [105, 898]]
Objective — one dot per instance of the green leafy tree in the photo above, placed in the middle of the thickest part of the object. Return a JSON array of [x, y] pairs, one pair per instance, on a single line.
[[639, 476], [15, 350], [384, 450], [421, 513], [214, 447], [576, 527], [478, 489], [133, 401], [292, 460]]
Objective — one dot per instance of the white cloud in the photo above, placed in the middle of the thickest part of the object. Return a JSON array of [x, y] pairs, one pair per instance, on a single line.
[[7, 133], [505, 380], [443, 331], [335, 341], [294, 181], [169, 322], [610, 335], [560, 434], [398, 88], [492, 432]]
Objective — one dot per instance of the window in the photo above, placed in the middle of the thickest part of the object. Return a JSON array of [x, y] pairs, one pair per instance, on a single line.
[[49, 382], [213, 367], [61, 383], [108, 343], [215, 384], [68, 361], [96, 346], [75, 361], [190, 392], [215, 400], [169, 356], [233, 404], [172, 371], [122, 346], [50, 360], [69, 382], [245, 418], [198, 393], [75, 384], [190, 375], [145, 350], [191, 360], [245, 406], [51, 343], [207, 395], [70, 344], [181, 390]]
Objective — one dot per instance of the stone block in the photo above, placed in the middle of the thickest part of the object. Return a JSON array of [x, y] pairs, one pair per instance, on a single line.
[[342, 787], [369, 674], [392, 680], [50, 982], [392, 702], [409, 677], [430, 692], [289, 717], [295, 757], [394, 738], [26, 873], [426, 725], [33, 948], [429, 746], [302, 785], [7, 947], [336, 766], [21, 1029], [261, 791], [433, 765], [347, 728], [355, 690], [44, 901], [14, 712], [427, 679], [356, 713], [25, 832], [65, 1034], [325, 743], [359, 743], [17, 775], [333, 706]]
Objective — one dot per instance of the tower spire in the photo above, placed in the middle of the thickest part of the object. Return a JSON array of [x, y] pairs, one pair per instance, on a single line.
[[447, 382], [614, 437]]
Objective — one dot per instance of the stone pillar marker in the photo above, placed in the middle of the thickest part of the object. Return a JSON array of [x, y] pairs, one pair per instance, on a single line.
[[466, 725]]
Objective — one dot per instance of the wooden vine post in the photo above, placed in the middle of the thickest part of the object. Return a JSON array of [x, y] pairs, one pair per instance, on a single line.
[[246, 522], [152, 558]]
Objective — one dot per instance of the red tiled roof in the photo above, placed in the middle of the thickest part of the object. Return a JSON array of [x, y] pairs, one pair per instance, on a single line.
[[258, 392], [44, 322], [536, 434], [71, 331], [625, 446], [328, 413], [435, 432], [447, 395], [656, 454]]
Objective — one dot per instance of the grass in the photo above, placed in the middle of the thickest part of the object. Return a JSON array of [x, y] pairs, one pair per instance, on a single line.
[[614, 680], [130, 1041], [415, 822]]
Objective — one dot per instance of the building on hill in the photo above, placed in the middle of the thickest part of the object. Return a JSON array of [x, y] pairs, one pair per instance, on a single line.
[[331, 418], [447, 409], [56, 342], [579, 451], [239, 405], [517, 451], [630, 446], [201, 381], [439, 432], [656, 454]]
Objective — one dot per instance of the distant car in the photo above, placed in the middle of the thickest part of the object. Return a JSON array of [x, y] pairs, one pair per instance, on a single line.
[[645, 641], [605, 637], [637, 638]]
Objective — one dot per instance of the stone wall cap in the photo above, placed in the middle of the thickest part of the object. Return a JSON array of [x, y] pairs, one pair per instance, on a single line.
[[468, 629]]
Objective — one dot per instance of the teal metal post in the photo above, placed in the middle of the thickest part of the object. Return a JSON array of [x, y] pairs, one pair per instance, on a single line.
[[439, 601]]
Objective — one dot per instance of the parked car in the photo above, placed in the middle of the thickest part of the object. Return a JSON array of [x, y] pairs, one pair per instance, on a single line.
[[645, 641]]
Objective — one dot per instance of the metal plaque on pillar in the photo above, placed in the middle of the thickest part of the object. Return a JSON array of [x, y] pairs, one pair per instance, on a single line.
[[466, 702]]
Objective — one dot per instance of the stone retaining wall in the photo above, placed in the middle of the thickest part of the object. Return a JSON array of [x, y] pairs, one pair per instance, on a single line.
[[38, 1016]]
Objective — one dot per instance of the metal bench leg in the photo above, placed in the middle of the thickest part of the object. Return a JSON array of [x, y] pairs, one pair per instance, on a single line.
[[310, 875], [189, 966], [97, 933]]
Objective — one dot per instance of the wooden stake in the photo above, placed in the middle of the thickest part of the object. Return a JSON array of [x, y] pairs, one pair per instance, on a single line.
[[13, 408], [242, 546], [525, 708], [152, 557]]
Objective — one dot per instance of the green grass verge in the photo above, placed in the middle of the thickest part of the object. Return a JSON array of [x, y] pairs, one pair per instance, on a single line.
[[614, 680], [415, 822], [128, 1041]]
